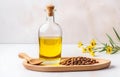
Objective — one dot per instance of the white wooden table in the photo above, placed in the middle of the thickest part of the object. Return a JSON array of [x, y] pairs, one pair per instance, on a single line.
[[11, 65]]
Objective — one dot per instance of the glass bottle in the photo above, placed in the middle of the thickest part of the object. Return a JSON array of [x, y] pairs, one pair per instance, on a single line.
[[50, 39]]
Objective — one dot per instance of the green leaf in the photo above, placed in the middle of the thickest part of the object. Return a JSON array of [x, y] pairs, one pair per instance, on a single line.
[[112, 44], [106, 45], [114, 52], [116, 34], [102, 50], [103, 44], [110, 39]]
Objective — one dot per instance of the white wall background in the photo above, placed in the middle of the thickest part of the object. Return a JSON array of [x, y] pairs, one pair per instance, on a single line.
[[81, 20]]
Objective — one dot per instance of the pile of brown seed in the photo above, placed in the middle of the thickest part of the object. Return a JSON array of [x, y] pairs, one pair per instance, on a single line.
[[78, 61]]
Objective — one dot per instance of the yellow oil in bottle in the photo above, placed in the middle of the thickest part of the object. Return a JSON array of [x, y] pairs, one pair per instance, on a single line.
[[50, 49]]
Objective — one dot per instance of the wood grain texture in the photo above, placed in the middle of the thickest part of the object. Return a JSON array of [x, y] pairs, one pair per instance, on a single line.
[[103, 63]]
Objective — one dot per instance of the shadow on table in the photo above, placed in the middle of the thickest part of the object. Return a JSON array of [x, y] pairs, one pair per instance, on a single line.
[[111, 67]]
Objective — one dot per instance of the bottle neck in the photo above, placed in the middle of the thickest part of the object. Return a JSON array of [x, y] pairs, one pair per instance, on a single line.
[[50, 18]]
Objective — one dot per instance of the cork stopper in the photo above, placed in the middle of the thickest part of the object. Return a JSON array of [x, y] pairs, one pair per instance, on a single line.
[[50, 10]]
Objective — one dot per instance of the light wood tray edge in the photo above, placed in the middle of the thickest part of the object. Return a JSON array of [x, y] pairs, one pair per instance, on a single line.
[[103, 63]]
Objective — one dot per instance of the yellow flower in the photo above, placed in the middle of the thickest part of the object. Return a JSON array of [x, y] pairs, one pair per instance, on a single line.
[[92, 53], [89, 48], [84, 50], [80, 44], [93, 43], [108, 49]]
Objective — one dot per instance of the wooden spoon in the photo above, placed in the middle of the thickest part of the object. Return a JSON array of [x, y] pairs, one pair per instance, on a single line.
[[29, 59]]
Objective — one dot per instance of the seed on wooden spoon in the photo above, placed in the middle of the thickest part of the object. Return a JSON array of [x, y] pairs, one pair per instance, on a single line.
[[29, 59]]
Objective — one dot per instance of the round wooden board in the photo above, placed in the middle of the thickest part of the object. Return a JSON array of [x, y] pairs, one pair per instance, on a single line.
[[103, 63]]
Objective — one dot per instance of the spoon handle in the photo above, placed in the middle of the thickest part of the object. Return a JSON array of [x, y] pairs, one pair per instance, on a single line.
[[24, 56]]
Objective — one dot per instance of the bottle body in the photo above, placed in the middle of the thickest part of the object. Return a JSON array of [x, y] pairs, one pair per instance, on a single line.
[[50, 49], [50, 42]]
